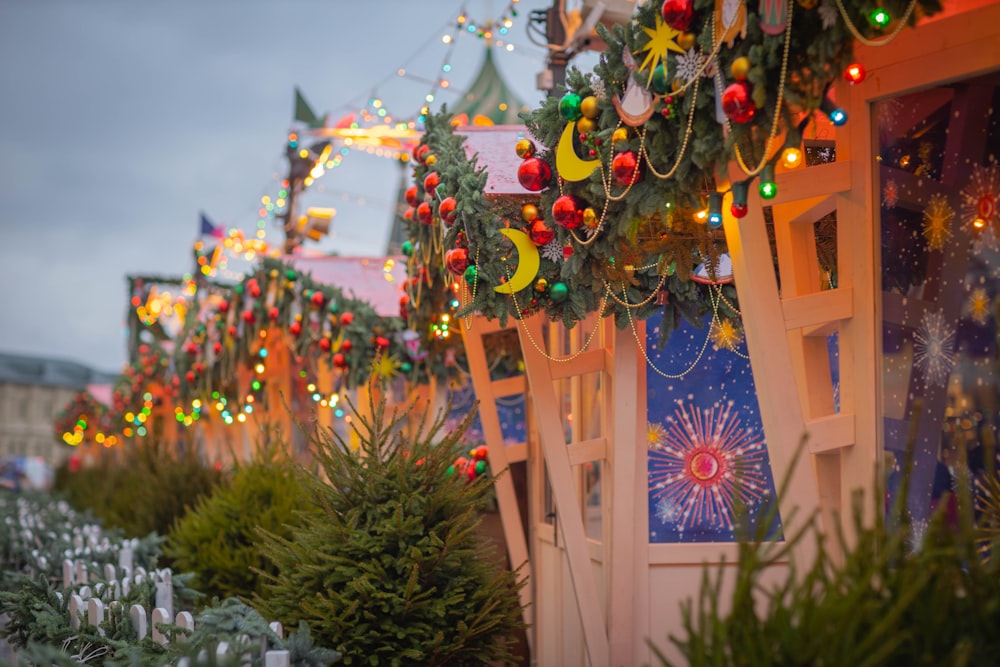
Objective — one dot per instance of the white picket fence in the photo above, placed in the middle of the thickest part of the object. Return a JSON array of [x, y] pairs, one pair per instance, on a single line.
[[93, 603]]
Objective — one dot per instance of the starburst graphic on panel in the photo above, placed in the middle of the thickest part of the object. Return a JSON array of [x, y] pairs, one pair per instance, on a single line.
[[890, 194], [706, 464], [690, 65], [937, 222], [981, 197], [978, 306], [725, 335], [934, 348], [666, 511], [656, 435], [888, 111], [661, 39]]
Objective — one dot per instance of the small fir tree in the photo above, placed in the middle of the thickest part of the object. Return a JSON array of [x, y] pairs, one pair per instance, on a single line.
[[218, 540], [393, 571]]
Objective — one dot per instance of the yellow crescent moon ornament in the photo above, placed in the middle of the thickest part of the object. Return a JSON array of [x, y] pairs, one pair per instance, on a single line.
[[528, 262], [569, 165]]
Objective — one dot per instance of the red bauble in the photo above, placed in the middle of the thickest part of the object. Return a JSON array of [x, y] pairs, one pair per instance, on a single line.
[[409, 213], [420, 153], [317, 298], [199, 367], [248, 316], [295, 328], [457, 260], [253, 287], [625, 168], [339, 360], [446, 209], [381, 342], [231, 331], [346, 319], [345, 346], [324, 343], [217, 347], [223, 308], [273, 314], [431, 181], [737, 104], [678, 13], [739, 210], [191, 349], [534, 174], [411, 196], [189, 376], [567, 211], [540, 232], [425, 213]]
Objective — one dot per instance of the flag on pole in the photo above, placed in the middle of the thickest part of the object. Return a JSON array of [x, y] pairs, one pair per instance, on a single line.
[[304, 112], [208, 229]]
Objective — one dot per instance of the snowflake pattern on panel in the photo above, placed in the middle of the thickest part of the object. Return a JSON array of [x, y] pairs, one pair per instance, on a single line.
[[934, 348], [937, 222], [553, 251], [981, 197], [890, 194], [978, 306], [689, 65], [725, 335], [706, 463]]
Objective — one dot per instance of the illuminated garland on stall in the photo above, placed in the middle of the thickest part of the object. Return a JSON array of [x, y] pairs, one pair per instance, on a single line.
[[632, 162], [279, 306], [83, 419]]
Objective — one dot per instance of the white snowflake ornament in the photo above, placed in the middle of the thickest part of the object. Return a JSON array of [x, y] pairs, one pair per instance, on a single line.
[[690, 65], [552, 251]]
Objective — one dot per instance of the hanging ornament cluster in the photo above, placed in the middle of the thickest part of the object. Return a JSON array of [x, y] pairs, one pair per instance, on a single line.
[[472, 466]]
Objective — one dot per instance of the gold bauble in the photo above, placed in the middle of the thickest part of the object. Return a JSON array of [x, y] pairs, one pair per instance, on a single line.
[[589, 107], [273, 274], [525, 148], [589, 217], [529, 212], [430, 160], [585, 126], [620, 136], [541, 285], [740, 68], [677, 84], [686, 40]]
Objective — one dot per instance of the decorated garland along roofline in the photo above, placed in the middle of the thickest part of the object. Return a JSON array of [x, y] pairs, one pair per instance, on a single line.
[[633, 159], [280, 305]]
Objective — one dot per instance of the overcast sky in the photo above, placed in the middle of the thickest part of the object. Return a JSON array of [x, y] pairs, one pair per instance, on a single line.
[[121, 120]]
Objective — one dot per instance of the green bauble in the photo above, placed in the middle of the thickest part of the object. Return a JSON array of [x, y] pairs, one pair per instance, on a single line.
[[471, 274], [659, 83], [569, 107], [558, 292], [407, 248], [291, 275], [406, 366]]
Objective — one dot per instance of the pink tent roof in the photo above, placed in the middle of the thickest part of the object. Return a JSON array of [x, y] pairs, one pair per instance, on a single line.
[[376, 280], [494, 144], [102, 392]]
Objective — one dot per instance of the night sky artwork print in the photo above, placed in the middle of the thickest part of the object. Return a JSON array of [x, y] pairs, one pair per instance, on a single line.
[[939, 181], [707, 452], [510, 410]]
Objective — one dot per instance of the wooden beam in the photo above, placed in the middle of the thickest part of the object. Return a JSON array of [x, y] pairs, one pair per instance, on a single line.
[[564, 490], [512, 386], [591, 361], [474, 330], [818, 308], [815, 181], [830, 433], [586, 451]]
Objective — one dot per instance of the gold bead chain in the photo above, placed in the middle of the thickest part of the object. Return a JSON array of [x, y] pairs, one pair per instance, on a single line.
[[701, 352], [684, 143], [777, 105], [465, 289], [726, 301], [624, 300], [541, 350], [875, 42]]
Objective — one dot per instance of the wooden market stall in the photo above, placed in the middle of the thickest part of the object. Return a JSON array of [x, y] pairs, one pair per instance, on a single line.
[[599, 588]]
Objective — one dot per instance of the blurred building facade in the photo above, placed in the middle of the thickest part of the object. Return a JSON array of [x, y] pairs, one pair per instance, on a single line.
[[33, 391]]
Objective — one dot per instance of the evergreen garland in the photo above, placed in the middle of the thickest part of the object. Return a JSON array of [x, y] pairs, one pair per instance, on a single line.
[[647, 238], [319, 324]]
